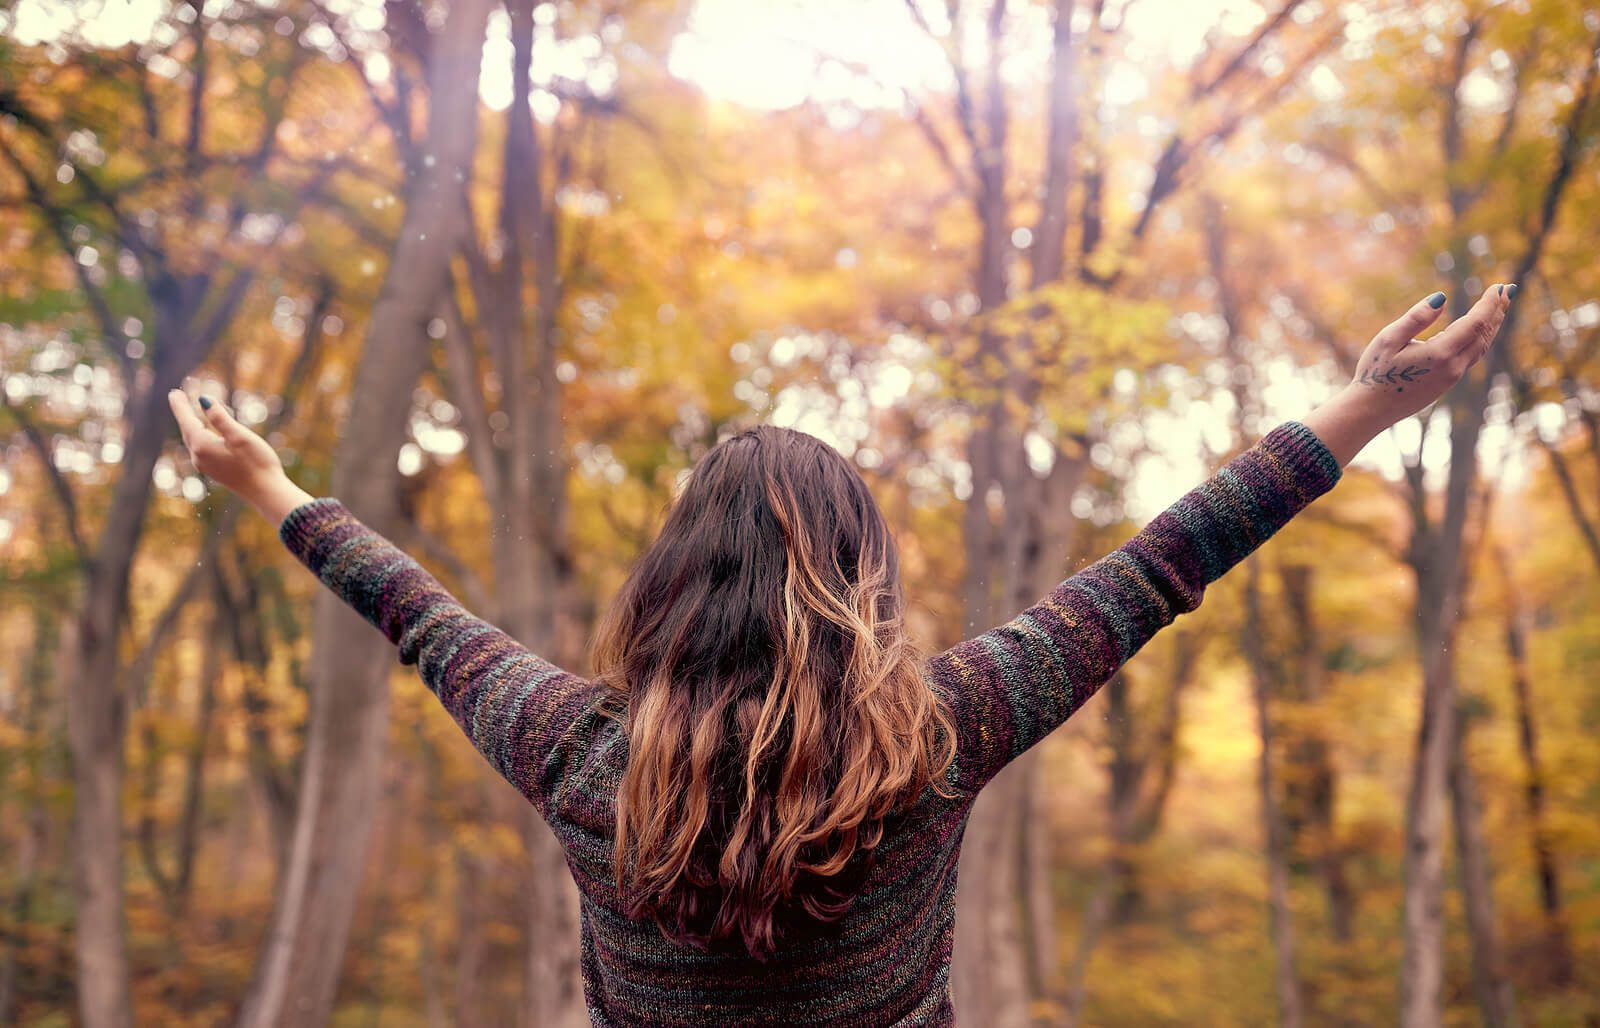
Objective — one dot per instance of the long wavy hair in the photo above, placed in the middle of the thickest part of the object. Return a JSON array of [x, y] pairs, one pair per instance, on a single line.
[[776, 711]]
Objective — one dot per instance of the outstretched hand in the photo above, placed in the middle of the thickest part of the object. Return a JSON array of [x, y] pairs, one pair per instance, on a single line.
[[1398, 375], [233, 456]]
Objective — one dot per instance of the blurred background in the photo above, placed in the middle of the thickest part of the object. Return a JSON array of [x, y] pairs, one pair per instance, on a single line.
[[497, 272]]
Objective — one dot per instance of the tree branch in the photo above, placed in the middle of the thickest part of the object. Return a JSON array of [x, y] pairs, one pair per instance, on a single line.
[[58, 482]]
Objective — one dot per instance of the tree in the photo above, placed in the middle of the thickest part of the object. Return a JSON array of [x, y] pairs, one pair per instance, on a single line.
[[298, 969], [1008, 558], [1436, 552], [190, 299]]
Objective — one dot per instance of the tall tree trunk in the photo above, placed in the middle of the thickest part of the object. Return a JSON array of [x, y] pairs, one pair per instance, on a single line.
[[29, 848], [241, 618], [1311, 762], [1496, 1000], [1436, 556], [1049, 536], [173, 887], [297, 971], [470, 942], [1050, 242], [1558, 960], [1291, 1008], [1422, 966], [989, 984], [96, 720], [1036, 898], [1133, 810], [1121, 802], [1048, 546]]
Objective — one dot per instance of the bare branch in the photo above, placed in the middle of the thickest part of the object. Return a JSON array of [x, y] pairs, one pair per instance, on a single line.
[[137, 677], [1569, 490], [58, 482], [199, 79], [966, 114], [434, 548], [57, 219], [467, 391], [1268, 27]]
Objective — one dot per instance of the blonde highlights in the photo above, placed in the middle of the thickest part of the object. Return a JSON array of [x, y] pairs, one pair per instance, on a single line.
[[776, 712]]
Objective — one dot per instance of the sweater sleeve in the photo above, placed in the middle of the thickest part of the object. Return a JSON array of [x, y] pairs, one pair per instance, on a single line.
[[1013, 685], [516, 708]]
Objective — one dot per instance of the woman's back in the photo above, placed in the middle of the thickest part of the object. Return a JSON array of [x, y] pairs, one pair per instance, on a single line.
[[885, 962]]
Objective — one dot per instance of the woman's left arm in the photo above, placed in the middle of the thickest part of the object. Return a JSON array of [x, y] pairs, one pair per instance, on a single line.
[[517, 708]]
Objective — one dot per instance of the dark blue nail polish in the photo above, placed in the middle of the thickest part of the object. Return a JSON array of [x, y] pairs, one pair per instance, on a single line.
[[1436, 301], [1511, 290], [205, 403]]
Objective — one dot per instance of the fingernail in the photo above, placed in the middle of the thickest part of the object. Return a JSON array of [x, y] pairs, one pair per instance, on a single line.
[[1511, 290], [1436, 301], [205, 403]]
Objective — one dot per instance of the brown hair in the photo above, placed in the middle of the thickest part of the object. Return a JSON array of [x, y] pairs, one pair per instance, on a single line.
[[776, 711]]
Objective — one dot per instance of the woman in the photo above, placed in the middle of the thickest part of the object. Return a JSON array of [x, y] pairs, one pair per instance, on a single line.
[[762, 793]]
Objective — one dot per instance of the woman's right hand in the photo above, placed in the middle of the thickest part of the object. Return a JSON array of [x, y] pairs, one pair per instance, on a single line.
[[233, 456]]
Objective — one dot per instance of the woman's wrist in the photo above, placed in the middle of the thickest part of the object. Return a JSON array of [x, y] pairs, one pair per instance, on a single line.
[[275, 498], [1345, 424]]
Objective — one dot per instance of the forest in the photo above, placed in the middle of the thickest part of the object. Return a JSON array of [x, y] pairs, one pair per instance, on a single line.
[[496, 273]]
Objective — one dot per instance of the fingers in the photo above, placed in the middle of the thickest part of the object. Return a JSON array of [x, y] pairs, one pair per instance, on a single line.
[[189, 423], [1468, 338], [1398, 334], [223, 422]]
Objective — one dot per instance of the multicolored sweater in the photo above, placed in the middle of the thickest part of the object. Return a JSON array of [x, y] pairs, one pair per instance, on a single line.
[[887, 962]]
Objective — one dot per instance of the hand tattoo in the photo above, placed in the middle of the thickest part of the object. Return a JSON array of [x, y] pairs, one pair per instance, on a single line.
[[1394, 376]]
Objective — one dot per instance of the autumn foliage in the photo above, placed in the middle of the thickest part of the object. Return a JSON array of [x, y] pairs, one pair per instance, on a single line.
[[1034, 293]]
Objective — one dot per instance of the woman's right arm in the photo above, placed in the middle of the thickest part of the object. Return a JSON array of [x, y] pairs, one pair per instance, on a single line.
[[1013, 685], [529, 718]]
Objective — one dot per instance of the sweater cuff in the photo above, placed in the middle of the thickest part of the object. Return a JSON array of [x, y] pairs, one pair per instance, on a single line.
[[1299, 448], [307, 525]]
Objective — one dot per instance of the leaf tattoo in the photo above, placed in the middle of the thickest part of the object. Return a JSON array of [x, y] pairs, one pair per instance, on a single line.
[[1394, 376]]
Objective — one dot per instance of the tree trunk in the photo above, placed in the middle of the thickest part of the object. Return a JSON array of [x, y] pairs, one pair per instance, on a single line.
[[1558, 960], [298, 968], [989, 983], [1311, 762], [988, 973], [30, 847], [470, 942], [1121, 803], [96, 719], [1422, 964], [1496, 1000], [173, 888], [1037, 901], [1096, 915], [1436, 554], [242, 620], [1047, 546], [1437, 557], [1051, 233], [1291, 1008]]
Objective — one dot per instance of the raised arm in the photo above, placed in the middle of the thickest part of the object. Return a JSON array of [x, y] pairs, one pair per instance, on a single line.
[[524, 714], [1013, 685]]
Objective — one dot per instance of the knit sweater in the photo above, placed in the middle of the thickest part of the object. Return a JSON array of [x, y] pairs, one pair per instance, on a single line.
[[887, 961]]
